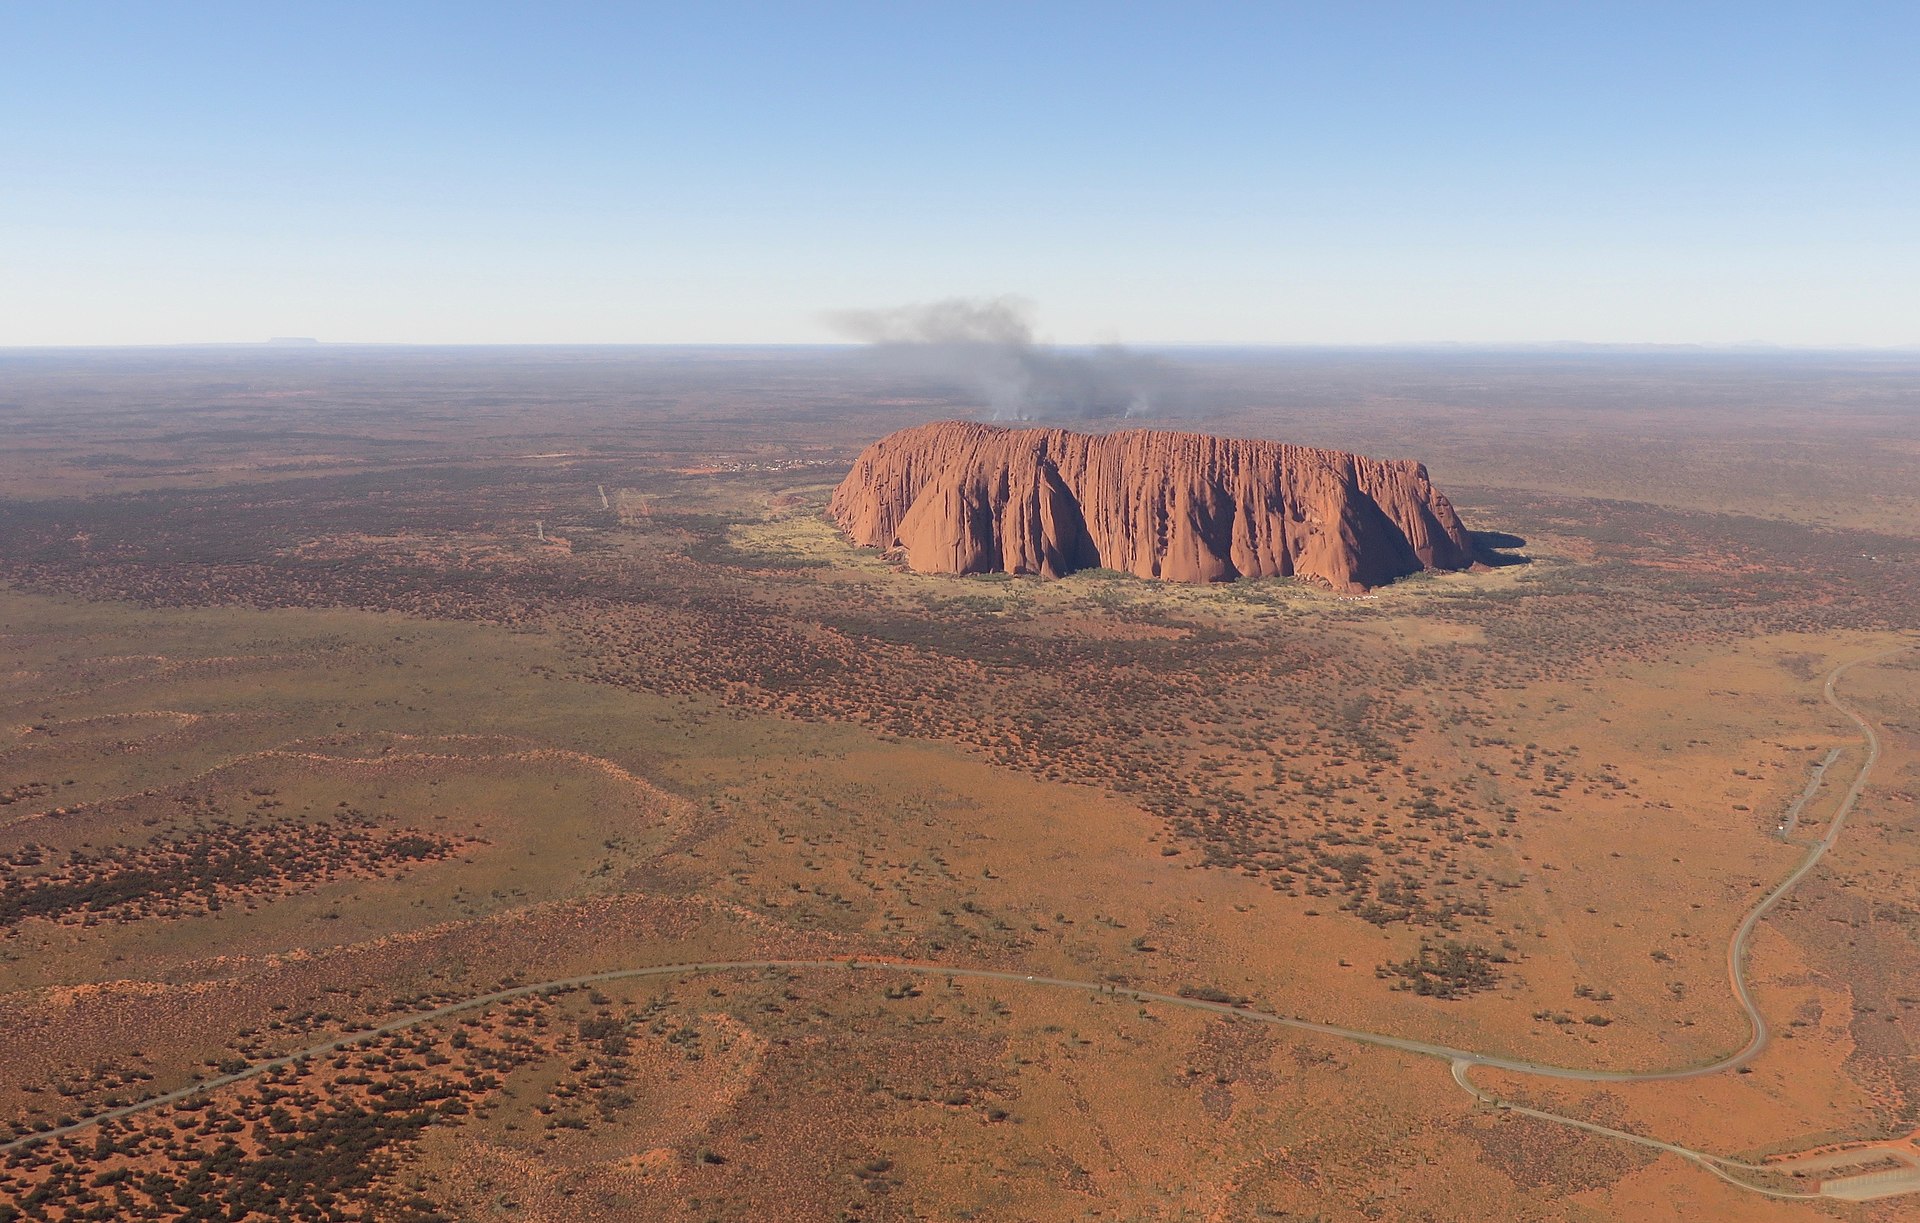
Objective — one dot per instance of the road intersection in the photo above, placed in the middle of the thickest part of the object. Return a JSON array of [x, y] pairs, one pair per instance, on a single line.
[[1461, 1061]]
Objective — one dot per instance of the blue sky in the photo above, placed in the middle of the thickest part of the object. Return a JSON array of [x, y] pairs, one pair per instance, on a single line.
[[1239, 173]]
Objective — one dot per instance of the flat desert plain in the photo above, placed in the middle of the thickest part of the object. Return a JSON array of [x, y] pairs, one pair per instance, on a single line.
[[485, 785]]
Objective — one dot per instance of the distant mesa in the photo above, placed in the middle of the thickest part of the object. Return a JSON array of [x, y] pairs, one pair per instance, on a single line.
[[292, 341], [965, 497]]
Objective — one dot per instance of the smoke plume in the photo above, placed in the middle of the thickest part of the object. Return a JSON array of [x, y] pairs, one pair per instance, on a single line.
[[988, 345]]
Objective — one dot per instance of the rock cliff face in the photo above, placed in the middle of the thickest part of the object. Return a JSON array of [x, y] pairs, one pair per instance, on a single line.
[[963, 497]]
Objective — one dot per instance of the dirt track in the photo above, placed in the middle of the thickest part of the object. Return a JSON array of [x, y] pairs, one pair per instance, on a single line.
[[1462, 1061]]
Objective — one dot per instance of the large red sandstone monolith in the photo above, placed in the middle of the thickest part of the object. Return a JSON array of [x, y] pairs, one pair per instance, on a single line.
[[964, 497]]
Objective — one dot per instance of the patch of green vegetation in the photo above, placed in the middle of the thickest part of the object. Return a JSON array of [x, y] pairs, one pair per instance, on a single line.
[[1446, 970]]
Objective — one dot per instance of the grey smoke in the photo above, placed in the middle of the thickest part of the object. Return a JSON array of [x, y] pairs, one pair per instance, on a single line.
[[988, 345]]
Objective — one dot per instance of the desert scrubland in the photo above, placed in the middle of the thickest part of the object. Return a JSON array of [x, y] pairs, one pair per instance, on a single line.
[[343, 685]]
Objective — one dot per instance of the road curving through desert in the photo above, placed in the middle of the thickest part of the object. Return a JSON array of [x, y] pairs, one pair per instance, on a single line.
[[1737, 949], [1461, 1061]]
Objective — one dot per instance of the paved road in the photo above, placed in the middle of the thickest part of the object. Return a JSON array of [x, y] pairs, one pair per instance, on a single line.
[[1719, 1165], [1738, 946], [696, 968], [1462, 1061], [1737, 949]]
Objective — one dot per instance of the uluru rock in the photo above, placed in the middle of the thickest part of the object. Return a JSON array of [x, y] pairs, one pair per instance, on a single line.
[[965, 497]]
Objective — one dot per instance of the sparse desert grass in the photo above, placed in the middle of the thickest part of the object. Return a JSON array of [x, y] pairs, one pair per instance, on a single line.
[[696, 724]]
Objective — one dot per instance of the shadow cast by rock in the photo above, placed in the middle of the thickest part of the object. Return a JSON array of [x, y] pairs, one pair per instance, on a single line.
[[1495, 549]]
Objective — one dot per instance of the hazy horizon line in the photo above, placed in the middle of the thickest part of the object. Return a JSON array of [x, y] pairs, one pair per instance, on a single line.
[[306, 344]]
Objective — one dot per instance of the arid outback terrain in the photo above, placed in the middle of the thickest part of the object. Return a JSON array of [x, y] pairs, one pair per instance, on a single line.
[[345, 686]]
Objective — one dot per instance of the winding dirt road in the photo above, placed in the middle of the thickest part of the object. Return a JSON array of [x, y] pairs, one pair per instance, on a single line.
[[1461, 1061]]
